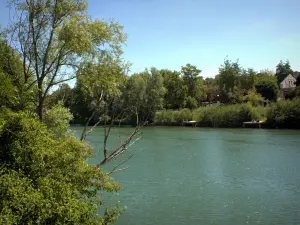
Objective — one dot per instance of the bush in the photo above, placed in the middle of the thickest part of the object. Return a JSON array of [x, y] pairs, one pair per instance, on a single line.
[[284, 114], [228, 116], [295, 93], [216, 116], [170, 117], [268, 89], [57, 119], [191, 102], [47, 181]]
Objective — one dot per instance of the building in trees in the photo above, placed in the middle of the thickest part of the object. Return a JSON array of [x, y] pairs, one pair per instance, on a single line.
[[287, 85]]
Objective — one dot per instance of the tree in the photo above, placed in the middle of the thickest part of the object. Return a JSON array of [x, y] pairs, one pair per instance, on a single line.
[[57, 120], [211, 89], [176, 90], [56, 38], [144, 94], [135, 95], [298, 81], [14, 92], [47, 181], [63, 94], [228, 75], [268, 88], [247, 80], [283, 70], [194, 83], [155, 91], [254, 98]]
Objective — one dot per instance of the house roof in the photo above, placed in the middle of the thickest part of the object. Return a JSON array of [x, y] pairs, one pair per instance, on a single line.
[[288, 76]]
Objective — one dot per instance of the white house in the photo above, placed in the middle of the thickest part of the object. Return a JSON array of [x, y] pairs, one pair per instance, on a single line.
[[288, 82], [287, 85]]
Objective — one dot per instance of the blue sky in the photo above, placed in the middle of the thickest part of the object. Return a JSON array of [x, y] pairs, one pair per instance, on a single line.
[[171, 33]]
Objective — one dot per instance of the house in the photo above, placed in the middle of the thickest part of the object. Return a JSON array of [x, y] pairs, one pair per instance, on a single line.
[[288, 84]]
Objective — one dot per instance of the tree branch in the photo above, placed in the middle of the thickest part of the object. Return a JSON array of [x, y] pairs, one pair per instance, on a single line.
[[114, 169], [61, 81], [84, 133], [122, 148]]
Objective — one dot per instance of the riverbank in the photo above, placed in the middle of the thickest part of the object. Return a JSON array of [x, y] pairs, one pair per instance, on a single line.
[[282, 114]]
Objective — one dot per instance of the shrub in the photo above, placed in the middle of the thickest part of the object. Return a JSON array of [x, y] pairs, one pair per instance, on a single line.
[[216, 116], [191, 102], [57, 119], [268, 89], [284, 114], [228, 116], [47, 181], [254, 98], [170, 117]]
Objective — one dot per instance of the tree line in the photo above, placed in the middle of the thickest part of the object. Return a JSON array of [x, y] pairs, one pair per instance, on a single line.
[[152, 90]]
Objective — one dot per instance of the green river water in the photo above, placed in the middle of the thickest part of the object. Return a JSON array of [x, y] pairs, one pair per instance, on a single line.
[[192, 176]]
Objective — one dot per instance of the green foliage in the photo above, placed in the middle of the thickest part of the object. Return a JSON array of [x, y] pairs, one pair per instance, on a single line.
[[191, 102], [247, 79], [284, 114], [228, 74], [144, 94], [268, 88], [57, 120], [47, 181], [253, 98], [295, 93], [171, 117], [59, 41], [211, 88], [216, 116], [176, 90], [194, 82], [227, 116], [283, 70], [63, 94], [15, 92]]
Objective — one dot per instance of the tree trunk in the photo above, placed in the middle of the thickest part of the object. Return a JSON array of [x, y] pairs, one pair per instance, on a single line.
[[40, 106]]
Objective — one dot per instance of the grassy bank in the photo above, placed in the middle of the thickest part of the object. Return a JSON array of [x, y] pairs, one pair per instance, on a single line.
[[216, 116], [282, 114]]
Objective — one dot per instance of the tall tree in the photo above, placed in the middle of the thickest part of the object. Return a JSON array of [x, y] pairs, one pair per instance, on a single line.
[[228, 80], [57, 37], [14, 92], [228, 75], [176, 90], [145, 93], [247, 79], [283, 70], [211, 89], [191, 75]]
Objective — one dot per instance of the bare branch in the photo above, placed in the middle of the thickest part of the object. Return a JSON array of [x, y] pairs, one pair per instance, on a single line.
[[114, 169], [84, 132], [122, 148], [83, 135]]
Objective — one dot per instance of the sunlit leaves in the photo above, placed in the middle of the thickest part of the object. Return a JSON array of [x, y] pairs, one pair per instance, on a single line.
[[47, 181]]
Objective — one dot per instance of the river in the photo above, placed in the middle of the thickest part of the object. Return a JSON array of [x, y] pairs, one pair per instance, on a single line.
[[194, 176]]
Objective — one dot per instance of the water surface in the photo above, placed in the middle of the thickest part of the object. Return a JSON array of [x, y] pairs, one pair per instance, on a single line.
[[209, 176]]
